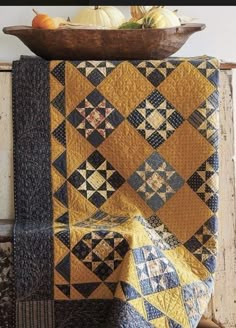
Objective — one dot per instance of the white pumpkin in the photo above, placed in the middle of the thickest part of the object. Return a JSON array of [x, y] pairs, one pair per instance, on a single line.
[[160, 17], [104, 16], [138, 12]]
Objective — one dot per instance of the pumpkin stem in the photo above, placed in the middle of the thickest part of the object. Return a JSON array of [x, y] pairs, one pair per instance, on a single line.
[[36, 13]]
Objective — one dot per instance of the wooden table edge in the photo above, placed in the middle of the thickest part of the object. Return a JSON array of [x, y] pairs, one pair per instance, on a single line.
[[7, 67]]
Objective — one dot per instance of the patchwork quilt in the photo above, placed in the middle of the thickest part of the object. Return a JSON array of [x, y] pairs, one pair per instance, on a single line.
[[116, 182]]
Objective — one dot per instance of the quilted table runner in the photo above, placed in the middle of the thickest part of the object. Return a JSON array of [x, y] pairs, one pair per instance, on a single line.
[[115, 192]]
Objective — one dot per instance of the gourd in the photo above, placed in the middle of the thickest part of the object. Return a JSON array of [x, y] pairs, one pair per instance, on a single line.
[[138, 12], [159, 17], [44, 21], [106, 16], [130, 25]]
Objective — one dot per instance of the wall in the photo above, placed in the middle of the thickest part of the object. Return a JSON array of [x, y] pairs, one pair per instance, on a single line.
[[218, 39]]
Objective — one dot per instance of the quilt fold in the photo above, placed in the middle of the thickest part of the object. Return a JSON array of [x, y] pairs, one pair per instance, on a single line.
[[116, 192]]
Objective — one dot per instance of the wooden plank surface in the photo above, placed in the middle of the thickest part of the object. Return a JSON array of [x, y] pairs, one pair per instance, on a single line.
[[6, 230], [227, 65], [223, 66], [205, 323], [6, 152], [223, 303], [5, 66]]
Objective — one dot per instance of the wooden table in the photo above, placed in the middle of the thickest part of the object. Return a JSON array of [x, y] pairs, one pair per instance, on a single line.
[[222, 307]]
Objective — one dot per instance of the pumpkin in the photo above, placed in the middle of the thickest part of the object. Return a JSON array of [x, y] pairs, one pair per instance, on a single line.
[[44, 21], [130, 25], [138, 12], [160, 17], [106, 16]]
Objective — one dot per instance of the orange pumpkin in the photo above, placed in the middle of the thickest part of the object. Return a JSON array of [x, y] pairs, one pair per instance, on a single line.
[[44, 21]]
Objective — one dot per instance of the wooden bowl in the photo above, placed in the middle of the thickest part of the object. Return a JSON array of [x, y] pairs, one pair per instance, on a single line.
[[89, 44]]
